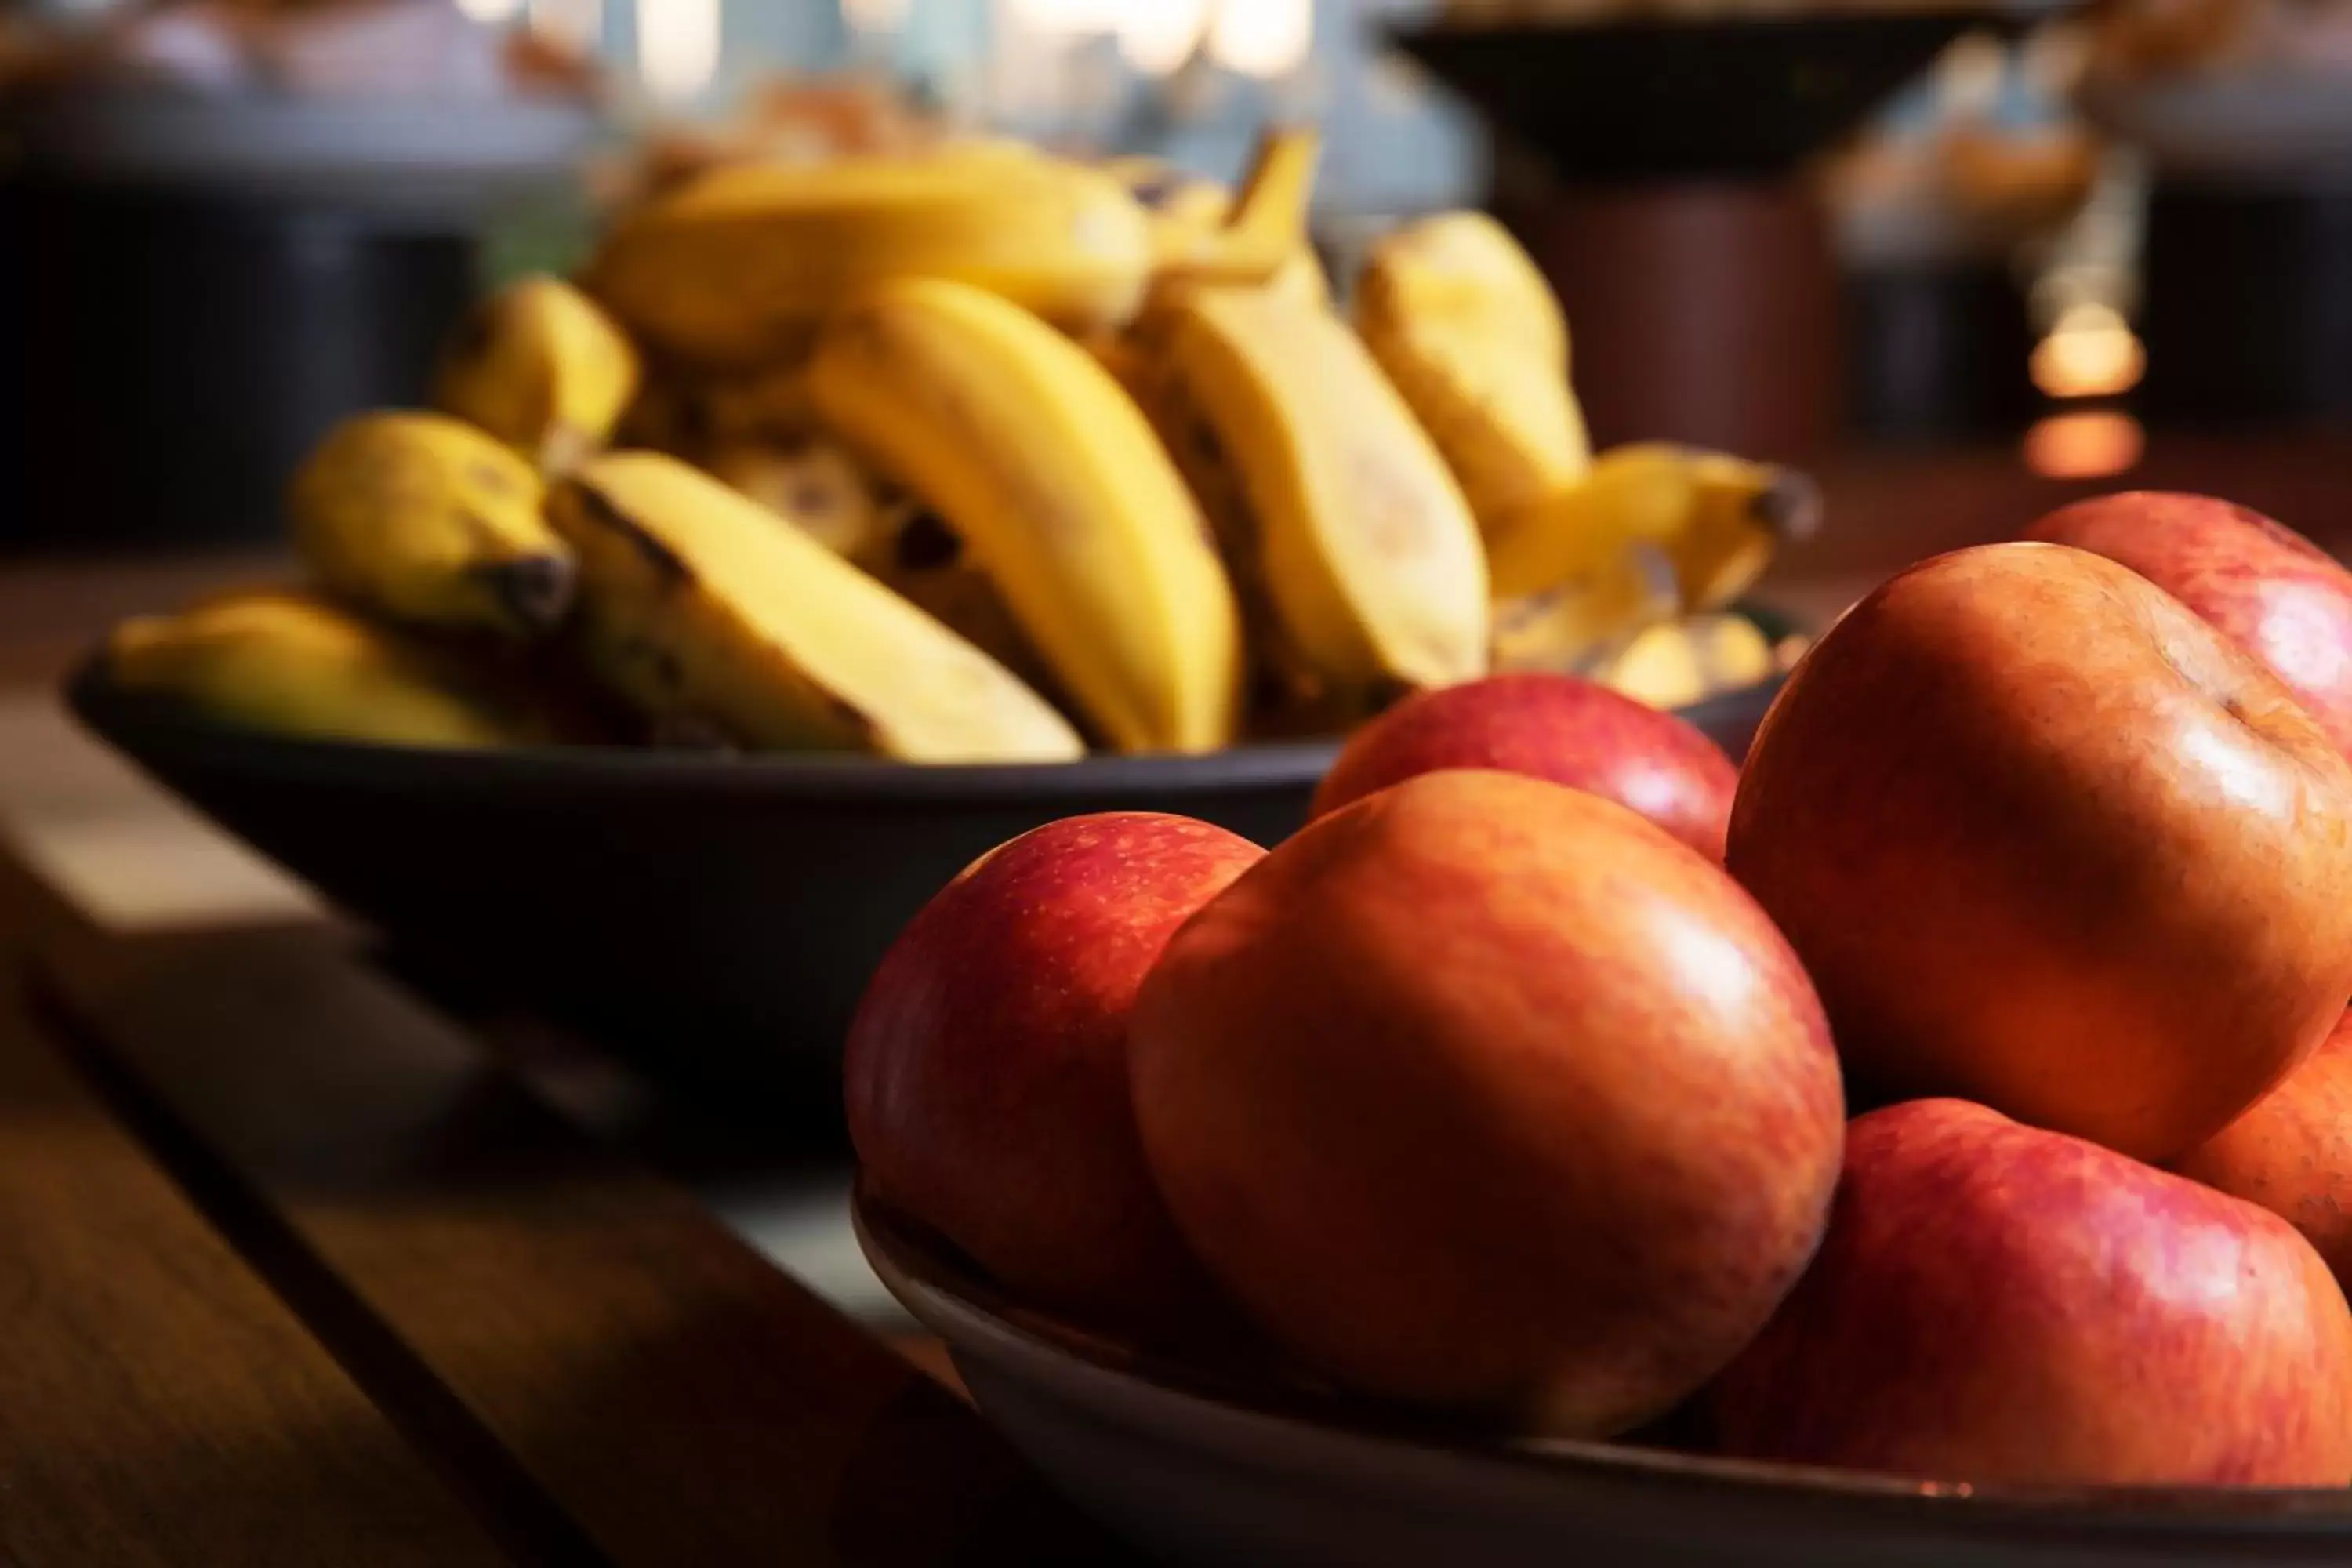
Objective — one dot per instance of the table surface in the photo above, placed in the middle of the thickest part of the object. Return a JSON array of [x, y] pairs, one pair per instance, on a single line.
[[301, 1266]]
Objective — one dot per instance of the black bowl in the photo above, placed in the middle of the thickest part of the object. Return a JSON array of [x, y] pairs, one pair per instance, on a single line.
[[716, 917], [1694, 98]]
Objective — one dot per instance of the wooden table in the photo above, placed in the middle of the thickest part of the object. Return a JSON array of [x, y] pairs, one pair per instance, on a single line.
[[298, 1267]]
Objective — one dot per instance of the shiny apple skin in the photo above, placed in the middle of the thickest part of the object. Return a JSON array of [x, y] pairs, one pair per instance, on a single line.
[[2291, 1153], [1998, 1304], [1490, 1095], [1558, 727], [2047, 841], [986, 1071], [2267, 588]]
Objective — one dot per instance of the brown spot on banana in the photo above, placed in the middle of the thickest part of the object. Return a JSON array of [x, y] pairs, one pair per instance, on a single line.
[[599, 509]]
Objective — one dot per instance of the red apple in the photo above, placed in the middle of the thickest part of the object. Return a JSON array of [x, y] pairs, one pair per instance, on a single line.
[[1554, 727], [2049, 842], [2291, 1153], [987, 1075], [2267, 588], [1995, 1303], [1485, 1093]]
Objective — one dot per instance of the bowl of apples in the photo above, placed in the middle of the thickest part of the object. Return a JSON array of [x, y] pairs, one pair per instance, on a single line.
[[1950, 1161]]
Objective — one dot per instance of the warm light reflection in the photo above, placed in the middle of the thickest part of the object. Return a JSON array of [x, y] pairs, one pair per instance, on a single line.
[[575, 24], [2091, 353], [490, 12], [678, 46], [1072, 15], [1262, 38], [2084, 444], [874, 15], [1157, 37]]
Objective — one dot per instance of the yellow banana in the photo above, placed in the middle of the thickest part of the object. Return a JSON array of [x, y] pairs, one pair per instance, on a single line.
[[1466, 326], [298, 666], [1184, 208], [1357, 558], [829, 496], [1468, 269], [1678, 663], [698, 607], [1744, 512], [1266, 226], [1718, 519], [425, 519], [1031, 452], [542, 368], [1302, 282], [738, 266], [1589, 616]]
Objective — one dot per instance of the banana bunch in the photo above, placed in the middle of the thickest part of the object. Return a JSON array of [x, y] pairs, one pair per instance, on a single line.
[[542, 368], [701, 606], [979, 454], [426, 520], [298, 665]]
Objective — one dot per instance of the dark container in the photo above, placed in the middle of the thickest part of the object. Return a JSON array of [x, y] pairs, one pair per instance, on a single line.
[[2247, 308], [202, 284], [181, 351], [714, 916]]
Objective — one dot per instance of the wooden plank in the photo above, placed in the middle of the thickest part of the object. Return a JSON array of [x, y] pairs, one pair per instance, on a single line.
[[681, 1400], [158, 1405]]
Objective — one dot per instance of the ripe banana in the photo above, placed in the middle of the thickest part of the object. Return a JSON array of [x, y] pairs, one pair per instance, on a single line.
[[1184, 208], [1266, 226], [698, 607], [1467, 329], [298, 666], [1718, 519], [1031, 452], [542, 368], [738, 267], [1357, 558], [1678, 663], [1590, 616], [425, 519]]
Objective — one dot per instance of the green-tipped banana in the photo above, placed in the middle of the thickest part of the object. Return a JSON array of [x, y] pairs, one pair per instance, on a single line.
[[540, 367], [426, 519], [1046, 469], [298, 666], [702, 608]]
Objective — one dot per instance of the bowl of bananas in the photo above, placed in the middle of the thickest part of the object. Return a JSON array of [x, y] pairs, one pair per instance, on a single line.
[[841, 520]]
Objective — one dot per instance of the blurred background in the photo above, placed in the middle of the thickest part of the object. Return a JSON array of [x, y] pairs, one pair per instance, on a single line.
[[2043, 236]]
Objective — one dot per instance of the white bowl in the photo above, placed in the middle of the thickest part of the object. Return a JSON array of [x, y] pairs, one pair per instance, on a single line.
[[1200, 1472]]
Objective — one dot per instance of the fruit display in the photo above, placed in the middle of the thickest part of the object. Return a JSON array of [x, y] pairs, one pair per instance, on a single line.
[[1510, 1096], [954, 449]]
